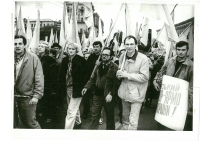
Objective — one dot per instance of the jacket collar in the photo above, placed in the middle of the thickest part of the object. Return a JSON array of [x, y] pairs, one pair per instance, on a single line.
[[186, 62], [134, 56]]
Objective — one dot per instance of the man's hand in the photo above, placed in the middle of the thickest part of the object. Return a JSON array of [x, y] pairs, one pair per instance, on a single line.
[[122, 74], [156, 85], [97, 62], [108, 98], [33, 101], [84, 91]]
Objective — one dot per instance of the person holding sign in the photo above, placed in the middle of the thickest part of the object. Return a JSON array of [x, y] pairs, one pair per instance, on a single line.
[[134, 76], [179, 66]]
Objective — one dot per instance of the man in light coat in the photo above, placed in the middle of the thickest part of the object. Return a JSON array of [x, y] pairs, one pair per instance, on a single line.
[[134, 75], [29, 84]]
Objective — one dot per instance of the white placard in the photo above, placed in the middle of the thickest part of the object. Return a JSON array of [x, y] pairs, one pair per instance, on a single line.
[[173, 103]]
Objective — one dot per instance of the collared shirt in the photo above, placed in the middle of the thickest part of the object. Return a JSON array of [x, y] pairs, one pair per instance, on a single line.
[[132, 57]]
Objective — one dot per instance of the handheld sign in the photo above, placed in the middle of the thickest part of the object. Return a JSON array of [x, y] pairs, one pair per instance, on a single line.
[[173, 103]]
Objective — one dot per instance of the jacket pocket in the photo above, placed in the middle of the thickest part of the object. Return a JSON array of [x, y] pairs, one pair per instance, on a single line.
[[133, 95]]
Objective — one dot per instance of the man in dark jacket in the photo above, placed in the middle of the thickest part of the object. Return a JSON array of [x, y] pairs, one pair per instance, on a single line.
[[105, 82], [90, 64], [29, 84]]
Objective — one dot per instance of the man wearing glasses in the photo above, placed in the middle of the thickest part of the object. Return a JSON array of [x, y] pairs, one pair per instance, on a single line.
[[134, 76], [104, 82]]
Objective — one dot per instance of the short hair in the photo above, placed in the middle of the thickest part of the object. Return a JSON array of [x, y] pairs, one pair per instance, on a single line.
[[182, 43], [111, 51], [23, 38], [74, 45], [56, 45], [129, 37], [97, 43]]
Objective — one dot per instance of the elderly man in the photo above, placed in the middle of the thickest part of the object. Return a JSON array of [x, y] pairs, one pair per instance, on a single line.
[[29, 84], [179, 66], [104, 82], [134, 75]]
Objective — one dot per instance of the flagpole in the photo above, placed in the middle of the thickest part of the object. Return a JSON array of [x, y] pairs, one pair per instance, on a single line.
[[107, 39]]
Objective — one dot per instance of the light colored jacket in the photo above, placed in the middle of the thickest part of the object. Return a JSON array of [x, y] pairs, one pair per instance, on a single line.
[[185, 72], [135, 85], [30, 80]]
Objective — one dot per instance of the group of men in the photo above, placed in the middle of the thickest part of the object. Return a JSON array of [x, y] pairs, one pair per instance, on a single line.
[[98, 77]]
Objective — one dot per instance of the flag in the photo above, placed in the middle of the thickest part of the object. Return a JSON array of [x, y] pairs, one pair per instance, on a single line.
[[154, 11], [88, 14], [145, 31], [20, 30], [128, 21], [116, 47], [51, 39], [28, 32], [36, 36], [163, 38], [56, 38], [191, 43], [75, 37], [136, 30], [100, 34], [62, 39], [184, 34], [173, 34], [83, 41], [67, 26]]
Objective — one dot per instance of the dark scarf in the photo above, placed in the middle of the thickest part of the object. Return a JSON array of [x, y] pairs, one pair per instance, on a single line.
[[103, 68]]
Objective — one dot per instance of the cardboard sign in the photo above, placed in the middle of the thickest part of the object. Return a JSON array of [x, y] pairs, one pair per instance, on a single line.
[[173, 103]]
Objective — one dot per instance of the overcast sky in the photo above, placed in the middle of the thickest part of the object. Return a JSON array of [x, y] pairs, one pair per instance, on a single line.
[[53, 10]]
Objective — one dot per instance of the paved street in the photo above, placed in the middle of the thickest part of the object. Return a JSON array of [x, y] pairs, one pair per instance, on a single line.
[[146, 120]]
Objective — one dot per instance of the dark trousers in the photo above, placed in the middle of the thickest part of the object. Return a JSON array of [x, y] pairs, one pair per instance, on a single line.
[[187, 127], [26, 113], [86, 102], [98, 103]]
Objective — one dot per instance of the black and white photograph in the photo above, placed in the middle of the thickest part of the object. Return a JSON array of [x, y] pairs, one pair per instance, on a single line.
[[115, 66]]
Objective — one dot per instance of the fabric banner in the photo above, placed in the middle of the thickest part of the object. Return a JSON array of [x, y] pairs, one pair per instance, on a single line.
[[173, 102]]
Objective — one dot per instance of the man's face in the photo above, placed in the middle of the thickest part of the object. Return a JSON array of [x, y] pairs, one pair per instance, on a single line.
[[19, 45], [105, 56], [71, 50], [181, 51], [57, 49], [130, 45], [96, 49], [41, 48]]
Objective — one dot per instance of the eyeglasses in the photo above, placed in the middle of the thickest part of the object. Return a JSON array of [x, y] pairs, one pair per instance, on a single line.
[[130, 44], [106, 55]]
